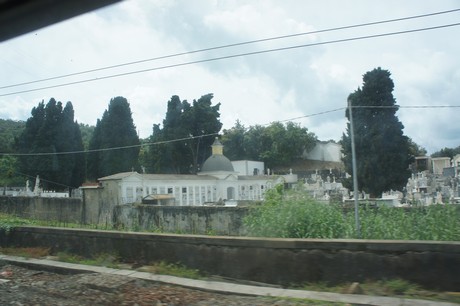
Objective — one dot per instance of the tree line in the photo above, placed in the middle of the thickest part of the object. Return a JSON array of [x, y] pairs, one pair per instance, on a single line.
[[64, 153], [181, 142]]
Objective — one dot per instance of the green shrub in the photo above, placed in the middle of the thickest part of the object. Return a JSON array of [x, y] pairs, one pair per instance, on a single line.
[[294, 214]]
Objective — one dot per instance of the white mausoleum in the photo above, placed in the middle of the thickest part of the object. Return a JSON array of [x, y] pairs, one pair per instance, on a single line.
[[218, 182]]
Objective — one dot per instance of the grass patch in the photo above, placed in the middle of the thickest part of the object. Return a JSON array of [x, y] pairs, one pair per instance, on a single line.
[[176, 269], [299, 301], [295, 214], [8, 222], [37, 252], [102, 260], [391, 288]]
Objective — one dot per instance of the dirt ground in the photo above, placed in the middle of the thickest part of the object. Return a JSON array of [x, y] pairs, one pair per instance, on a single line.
[[21, 286]]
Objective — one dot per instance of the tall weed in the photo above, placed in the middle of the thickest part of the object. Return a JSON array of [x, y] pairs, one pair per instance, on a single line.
[[294, 214]]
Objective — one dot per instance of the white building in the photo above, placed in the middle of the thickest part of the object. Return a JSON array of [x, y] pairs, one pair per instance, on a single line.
[[218, 182], [248, 167], [456, 164], [439, 163]]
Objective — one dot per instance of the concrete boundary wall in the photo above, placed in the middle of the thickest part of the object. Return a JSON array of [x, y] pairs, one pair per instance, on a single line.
[[41, 208], [217, 220], [203, 220], [277, 261]]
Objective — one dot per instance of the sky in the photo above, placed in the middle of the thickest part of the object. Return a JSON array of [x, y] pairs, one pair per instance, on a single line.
[[308, 85]]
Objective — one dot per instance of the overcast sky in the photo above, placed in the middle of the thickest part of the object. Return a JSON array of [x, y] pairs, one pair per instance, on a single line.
[[256, 89]]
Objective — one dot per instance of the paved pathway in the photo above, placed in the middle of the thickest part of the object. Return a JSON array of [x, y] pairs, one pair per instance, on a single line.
[[215, 286]]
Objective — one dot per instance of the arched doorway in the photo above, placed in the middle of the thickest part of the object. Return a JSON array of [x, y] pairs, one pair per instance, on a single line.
[[230, 193]]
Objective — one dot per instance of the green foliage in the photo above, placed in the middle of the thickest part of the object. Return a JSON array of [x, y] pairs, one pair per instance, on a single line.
[[52, 129], [9, 168], [293, 214], [447, 152], [116, 129], [436, 222], [9, 132], [383, 153], [29, 252], [8, 222], [415, 149], [391, 287], [9, 175], [175, 269], [233, 139], [184, 121], [102, 259], [277, 144], [86, 134]]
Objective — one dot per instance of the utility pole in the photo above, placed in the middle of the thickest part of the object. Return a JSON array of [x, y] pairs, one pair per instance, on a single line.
[[355, 172]]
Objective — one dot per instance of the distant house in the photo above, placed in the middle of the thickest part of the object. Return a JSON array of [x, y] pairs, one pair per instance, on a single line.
[[456, 164], [438, 164], [217, 183], [423, 163]]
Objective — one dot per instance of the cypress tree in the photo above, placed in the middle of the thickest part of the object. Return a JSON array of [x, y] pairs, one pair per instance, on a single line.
[[52, 129], [382, 150], [115, 132]]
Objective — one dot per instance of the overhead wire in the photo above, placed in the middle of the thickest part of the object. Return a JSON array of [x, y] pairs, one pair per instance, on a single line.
[[45, 180], [213, 134], [228, 57], [234, 56], [235, 45], [108, 149]]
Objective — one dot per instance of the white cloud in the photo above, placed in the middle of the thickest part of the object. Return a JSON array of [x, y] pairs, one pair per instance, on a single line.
[[254, 89]]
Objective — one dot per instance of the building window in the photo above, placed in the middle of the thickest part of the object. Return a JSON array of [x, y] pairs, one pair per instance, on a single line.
[[184, 189], [170, 190]]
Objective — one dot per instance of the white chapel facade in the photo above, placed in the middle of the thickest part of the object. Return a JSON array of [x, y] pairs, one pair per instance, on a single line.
[[217, 182]]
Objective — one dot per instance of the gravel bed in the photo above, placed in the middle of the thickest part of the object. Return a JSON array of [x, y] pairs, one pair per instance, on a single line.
[[21, 286]]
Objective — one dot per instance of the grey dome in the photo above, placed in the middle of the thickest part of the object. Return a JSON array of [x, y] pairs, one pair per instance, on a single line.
[[217, 162]]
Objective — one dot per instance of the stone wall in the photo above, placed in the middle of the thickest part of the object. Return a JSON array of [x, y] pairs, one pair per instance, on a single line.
[[94, 210], [69, 210], [276, 261], [215, 220]]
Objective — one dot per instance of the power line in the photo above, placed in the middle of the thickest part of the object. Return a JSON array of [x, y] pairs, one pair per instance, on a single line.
[[233, 45], [235, 56], [45, 180], [108, 149], [312, 115], [399, 106], [212, 134]]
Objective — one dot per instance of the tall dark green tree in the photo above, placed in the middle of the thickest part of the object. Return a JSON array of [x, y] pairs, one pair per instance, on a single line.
[[173, 157], [195, 125], [52, 129], [114, 141], [202, 122], [382, 150]]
